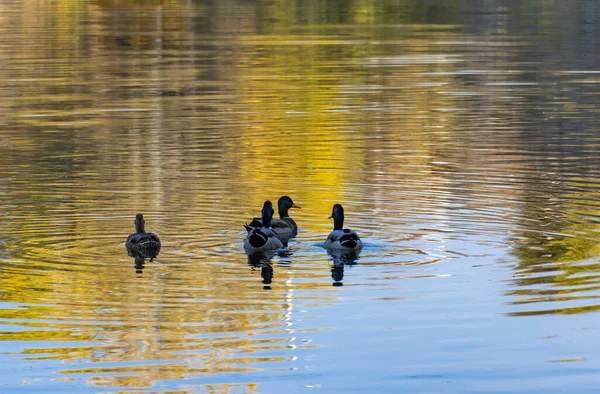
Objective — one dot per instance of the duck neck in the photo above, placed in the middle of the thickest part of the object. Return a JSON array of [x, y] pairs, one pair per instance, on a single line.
[[338, 223], [283, 211], [139, 226], [266, 218]]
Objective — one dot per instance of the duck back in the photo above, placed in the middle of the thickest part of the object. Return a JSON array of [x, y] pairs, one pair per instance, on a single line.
[[261, 239], [141, 241], [343, 239]]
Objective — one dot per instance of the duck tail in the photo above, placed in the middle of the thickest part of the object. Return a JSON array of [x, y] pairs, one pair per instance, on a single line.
[[349, 241], [257, 238], [248, 228]]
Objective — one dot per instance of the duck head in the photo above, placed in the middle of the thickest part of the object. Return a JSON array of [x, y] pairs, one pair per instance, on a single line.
[[139, 223], [267, 213], [337, 213], [283, 204]]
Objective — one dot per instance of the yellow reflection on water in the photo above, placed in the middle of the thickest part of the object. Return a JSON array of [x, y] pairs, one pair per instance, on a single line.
[[194, 114]]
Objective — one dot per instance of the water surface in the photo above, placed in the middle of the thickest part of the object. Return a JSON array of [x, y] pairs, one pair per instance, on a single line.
[[462, 140]]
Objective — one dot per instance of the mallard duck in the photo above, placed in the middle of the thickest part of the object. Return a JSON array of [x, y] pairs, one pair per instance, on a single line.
[[284, 227], [341, 238], [141, 242], [263, 238]]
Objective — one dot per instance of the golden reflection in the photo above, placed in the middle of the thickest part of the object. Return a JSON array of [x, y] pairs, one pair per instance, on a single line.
[[194, 113], [559, 263]]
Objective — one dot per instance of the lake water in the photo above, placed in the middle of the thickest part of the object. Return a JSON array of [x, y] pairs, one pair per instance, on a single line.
[[462, 139]]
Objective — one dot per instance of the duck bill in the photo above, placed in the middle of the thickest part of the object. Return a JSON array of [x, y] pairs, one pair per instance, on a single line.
[[296, 206], [331, 217]]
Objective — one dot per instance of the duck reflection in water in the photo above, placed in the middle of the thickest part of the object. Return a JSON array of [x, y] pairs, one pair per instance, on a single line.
[[139, 259], [340, 260], [263, 261]]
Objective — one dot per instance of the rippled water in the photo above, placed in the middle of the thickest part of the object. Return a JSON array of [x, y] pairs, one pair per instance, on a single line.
[[461, 137]]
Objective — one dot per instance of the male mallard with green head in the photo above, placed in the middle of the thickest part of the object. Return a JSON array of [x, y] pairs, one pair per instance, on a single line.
[[263, 238], [341, 238], [285, 227]]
